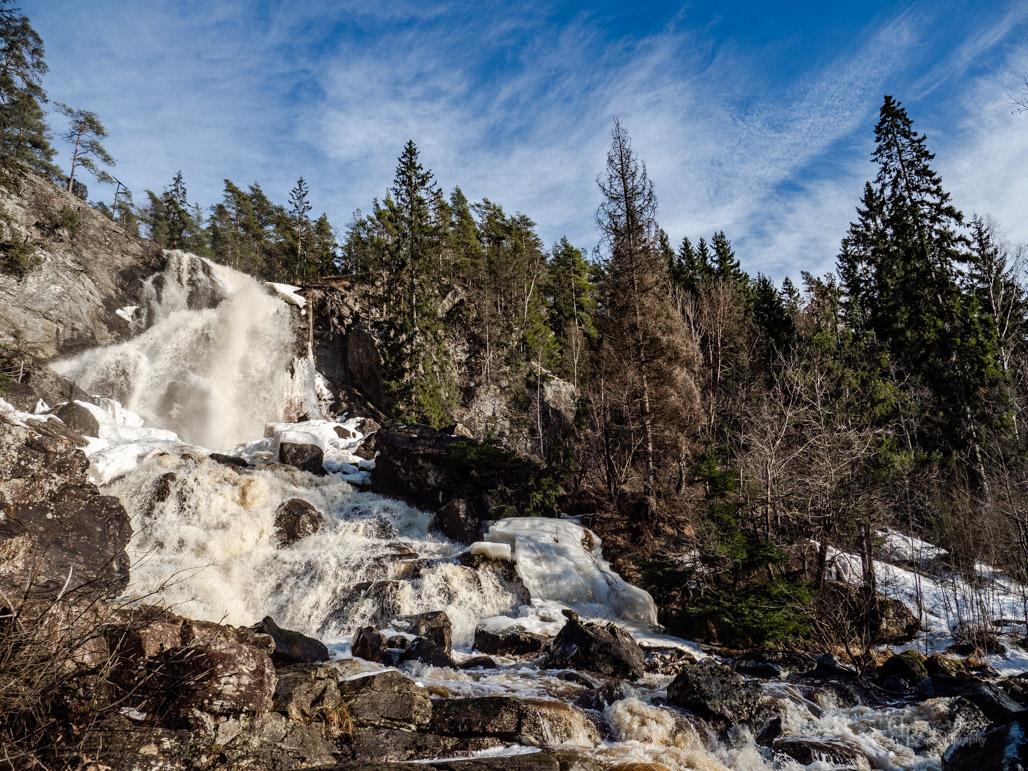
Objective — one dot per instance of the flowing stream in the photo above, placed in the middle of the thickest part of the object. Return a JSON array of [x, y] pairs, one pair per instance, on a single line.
[[216, 366]]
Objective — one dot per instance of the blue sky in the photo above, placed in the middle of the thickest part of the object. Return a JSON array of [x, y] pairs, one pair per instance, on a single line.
[[756, 118]]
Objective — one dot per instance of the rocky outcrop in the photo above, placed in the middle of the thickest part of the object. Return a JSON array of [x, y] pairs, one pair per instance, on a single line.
[[87, 268], [512, 642], [604, 648], [57, 532]]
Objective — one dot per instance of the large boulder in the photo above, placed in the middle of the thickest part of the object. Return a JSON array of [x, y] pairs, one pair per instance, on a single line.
[[1002, 747], [528, 721], [306, 457], [604, 648], [712, 691], [435, 625], [411, 464], [78, 418], [57, 531], [291, 647], [296, 519], [427, 652], [509, 642], [370, 644], [387, 699]]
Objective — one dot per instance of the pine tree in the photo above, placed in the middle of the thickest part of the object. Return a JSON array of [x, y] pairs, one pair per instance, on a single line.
[[24, 134], [572, 306], [85, 132], [650, 357]]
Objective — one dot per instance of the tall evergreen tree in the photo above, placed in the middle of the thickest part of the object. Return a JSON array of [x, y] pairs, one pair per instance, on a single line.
[[300, 208], [24, 135], [900, 266]]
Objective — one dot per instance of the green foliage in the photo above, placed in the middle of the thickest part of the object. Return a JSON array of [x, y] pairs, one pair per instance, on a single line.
[[520, 486], [17, 256], [69, 219], [85, 131]]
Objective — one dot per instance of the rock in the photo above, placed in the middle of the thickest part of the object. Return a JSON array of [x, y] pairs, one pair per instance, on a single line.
[[901, 671], [388, 749], [461, 520], [834, 750], [228, 460], [427, 652], [57, 531], [845, 608], [527, 721], [410, 464], [78, 418], [434, 625], [990, 699], [712, 691], [306, 457], [368, 449], [773, 665], [218, 670], [511, 642], [1002, 747], [291, 647], [307, 693], [479, 662], [387, 699], [398, 642], [941, 664], [604, 648], [370, 644], [296, 519], [68, 301]]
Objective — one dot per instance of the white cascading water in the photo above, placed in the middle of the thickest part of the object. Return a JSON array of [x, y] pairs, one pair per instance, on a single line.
[[213, 375], [215, 362]]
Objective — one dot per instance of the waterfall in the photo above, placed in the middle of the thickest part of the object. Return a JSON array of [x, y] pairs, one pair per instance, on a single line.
[[216, 362]]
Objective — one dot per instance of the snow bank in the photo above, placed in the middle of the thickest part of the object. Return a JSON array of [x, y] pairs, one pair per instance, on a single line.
[[289, 293], [338, 442]]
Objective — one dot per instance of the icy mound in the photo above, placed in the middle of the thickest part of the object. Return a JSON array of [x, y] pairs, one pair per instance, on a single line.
[[562, 566]]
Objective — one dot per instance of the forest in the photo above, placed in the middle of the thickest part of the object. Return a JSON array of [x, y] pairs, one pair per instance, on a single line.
[[729, 431]]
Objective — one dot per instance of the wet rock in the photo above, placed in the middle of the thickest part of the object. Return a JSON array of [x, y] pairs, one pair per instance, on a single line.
[[712, 691], [512, 642], [427, 652], [78, 418], [392, 747], [296, 519], [291, 647], [604, 648], [479, 662], [58, 532], [306, 457], [836, 751], [901, 671], [410, 464], [370, 644], [990, 699], [398, 642], [615, 690], [368, 449], [461, 520], [434, 625], [386, 699], [228, 460], [1003, 747], [773, 665]]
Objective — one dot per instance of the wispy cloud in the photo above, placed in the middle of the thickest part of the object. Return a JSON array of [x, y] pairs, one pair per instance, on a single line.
[[517, 107]]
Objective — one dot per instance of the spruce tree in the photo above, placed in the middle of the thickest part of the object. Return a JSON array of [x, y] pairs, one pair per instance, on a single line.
[[900, 266], [300, 208]]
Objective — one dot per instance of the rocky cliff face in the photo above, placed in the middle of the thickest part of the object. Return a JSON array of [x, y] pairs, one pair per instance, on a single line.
[[87, 268]]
